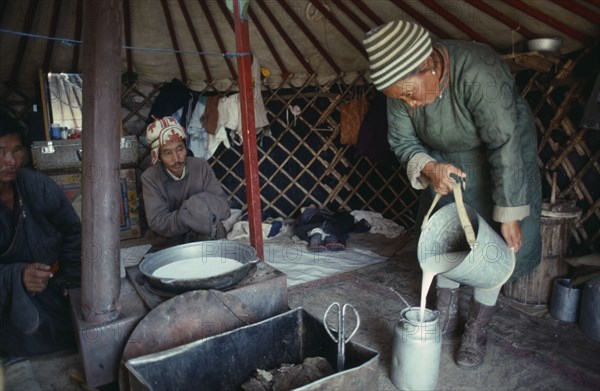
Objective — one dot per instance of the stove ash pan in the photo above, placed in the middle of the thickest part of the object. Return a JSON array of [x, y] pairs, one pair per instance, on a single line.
[[227, 360]]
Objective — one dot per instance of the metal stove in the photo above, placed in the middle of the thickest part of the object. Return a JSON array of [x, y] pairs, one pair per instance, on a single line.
[[263, 290]]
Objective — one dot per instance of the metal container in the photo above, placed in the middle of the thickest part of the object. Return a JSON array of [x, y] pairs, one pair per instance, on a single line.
[[225, 361], [589, 312], [417, 350], [487, 265], [564, 303], [212, 248], [549, 45], [535, 288]]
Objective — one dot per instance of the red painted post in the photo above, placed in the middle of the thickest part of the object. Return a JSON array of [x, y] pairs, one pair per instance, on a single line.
[[244, 62]]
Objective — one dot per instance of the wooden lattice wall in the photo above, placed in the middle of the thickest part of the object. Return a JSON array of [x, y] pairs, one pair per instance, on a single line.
[[566, 151], [302, 161]]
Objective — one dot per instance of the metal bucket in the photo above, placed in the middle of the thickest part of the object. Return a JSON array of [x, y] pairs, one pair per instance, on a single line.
[[488, 264], [225, 361], [416, 350], [564, 303], [589, 312]]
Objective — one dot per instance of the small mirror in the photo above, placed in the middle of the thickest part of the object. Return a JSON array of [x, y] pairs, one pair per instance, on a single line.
[[65, 97], [62, 103]]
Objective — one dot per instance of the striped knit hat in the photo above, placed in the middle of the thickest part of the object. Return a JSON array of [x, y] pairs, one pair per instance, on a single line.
[[395, 49]]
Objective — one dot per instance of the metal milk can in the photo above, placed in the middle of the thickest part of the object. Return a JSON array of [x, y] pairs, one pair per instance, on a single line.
[[416, 350]]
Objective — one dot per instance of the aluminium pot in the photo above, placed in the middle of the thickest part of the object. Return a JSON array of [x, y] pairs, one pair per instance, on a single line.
[[242, 253]]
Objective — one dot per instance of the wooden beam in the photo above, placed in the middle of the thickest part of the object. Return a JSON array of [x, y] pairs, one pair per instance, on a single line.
[[291, 45], [190, 25], [173, 36], [550, 21], [580, 10], [355, 18], [265, 37], [3, 6], [78, 29], [128, 40], [344, 31], [367, 11], [215, 31], [494, 13], [27, 24], [51, 33], [422, 20], [309, 35], [242, 41], [456, 22], [226, 14]]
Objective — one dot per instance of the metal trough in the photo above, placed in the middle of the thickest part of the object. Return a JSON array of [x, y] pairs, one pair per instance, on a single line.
[[227, 360]]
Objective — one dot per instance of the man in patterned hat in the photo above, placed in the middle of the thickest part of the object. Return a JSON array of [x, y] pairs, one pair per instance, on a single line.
[[183, 199]]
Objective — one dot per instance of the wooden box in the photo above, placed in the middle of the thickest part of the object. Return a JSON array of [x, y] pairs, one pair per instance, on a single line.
[[130, 217], [67, 154]]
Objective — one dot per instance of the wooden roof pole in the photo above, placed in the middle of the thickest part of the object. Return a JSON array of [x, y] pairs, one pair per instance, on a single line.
[[456, 22], [550, 21], [580, 10], [340, 27], [297, 52], [494, 13], [128, 41], [190, 25], [52, 33], [78, 32], [422, 20], [244, 61], [265, 37], [173, 36], [27, 24], [215, 31]]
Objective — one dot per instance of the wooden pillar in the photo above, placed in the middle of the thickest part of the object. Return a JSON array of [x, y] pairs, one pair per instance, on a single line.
[[248, 129], [102, 21]]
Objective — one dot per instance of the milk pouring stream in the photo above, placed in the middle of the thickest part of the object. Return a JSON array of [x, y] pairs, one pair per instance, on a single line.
[[437, 264]]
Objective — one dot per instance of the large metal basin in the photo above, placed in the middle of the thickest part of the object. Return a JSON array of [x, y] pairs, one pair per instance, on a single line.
[[213, 248], [225, 361]]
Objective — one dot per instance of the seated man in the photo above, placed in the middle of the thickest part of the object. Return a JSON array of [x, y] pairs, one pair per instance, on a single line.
[[40, 253], [183, 199]]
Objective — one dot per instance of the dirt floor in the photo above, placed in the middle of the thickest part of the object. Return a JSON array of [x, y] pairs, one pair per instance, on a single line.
[[527, 348]]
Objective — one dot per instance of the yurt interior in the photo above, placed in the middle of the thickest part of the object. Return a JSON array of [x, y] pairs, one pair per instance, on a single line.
[[326, 128]]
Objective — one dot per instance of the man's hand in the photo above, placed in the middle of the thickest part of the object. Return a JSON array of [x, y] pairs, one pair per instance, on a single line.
[[35, 277], [511, 232], [439, 175]]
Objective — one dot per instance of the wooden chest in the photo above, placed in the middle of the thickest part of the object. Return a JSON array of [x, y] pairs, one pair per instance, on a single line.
[[60, 155], [70, 182]]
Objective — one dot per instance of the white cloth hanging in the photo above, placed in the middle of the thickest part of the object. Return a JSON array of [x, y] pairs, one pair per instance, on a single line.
[[197, 135], [230, 114]]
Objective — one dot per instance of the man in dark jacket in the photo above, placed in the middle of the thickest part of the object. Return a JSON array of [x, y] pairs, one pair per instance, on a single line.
[[40, 253], [183, 199]]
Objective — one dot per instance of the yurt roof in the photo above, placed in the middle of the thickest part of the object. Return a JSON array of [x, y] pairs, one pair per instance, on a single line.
[[194, 40]]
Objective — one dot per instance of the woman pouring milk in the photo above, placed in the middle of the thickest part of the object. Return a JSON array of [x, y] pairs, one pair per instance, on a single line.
[[453, 108]]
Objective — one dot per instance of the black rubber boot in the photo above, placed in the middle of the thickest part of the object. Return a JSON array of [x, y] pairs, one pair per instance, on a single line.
[[447, 305], [472, 345]]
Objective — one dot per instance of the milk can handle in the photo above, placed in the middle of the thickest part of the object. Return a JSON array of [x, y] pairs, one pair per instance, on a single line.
[[462, 213]]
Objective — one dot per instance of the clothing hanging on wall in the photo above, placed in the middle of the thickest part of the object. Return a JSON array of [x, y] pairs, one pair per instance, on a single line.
[[372, 137]]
